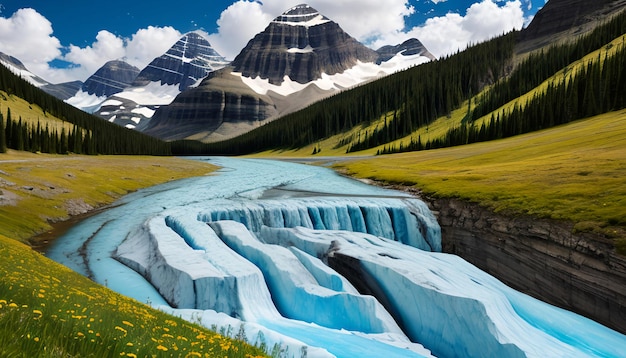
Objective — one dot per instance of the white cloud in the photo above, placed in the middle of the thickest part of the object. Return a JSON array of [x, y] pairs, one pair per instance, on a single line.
[[232, 36], [447, 34], [89, 59], [147, 44], [27, 35]]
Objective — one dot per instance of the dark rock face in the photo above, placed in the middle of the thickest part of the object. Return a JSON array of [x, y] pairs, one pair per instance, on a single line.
[[110, 79], [301, 44], [566, 16], [63, 90], [545, 259], [189, 60], [407, 48], [222, 98]]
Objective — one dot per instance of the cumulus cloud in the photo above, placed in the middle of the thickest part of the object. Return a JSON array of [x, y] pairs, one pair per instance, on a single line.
[[447, 34], [27, 35], [107, 46], [138, 50], [148, 43], [232, 36]]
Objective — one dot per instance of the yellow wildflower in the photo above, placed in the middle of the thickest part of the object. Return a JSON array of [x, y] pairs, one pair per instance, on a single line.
[[162, 348], [127, 323]]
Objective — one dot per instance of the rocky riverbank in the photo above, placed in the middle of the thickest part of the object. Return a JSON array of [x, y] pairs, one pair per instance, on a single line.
[[580, 272]]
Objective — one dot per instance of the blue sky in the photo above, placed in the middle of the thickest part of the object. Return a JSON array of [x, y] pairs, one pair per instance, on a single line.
[[71, 39]]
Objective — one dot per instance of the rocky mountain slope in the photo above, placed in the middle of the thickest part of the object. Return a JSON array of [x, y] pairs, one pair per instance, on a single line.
[[113, 77], [61, 90], [16, 66], [563, 19], [189, 60], [301, 57]]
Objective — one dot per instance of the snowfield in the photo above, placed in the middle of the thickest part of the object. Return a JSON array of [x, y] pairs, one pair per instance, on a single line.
[[317, 264]]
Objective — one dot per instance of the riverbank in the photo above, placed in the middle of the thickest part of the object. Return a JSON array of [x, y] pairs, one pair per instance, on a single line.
[[39, 190]]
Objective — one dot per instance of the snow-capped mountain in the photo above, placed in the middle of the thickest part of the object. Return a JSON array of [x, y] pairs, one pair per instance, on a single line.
[[189, 60], [16, 66], [62, 91], [301, 57], [113, 77]]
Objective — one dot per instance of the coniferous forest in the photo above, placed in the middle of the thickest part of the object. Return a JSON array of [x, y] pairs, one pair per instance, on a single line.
[[89, 135], [416, 97]]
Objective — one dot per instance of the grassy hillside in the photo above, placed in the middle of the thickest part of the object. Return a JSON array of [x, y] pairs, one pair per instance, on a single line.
[[572, 172], [30, 113]]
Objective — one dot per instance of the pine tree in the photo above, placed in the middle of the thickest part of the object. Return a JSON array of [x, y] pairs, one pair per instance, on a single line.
[[3, 139]]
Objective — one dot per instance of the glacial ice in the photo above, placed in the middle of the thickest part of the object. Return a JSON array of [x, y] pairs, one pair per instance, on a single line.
[[256, 246]]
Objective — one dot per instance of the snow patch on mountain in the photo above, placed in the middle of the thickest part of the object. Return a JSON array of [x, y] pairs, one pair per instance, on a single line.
[[360, 73], [153, 94], [17, 67], [85, 101]]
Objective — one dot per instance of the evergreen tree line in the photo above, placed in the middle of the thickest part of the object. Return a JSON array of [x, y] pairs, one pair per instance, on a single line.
[[23, 136], [540, 66], [598, 88], [417, 96], [102, 137], [528, 75]]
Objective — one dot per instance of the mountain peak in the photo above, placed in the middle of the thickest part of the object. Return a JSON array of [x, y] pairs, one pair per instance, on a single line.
[[190, 59], [111, 78], [301, 15], [302, 45]]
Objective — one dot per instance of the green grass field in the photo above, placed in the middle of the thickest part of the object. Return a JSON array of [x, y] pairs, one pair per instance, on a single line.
[[48, 310], [575, 172]]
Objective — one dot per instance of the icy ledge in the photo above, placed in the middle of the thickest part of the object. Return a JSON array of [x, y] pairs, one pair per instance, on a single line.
[[301, 284], [202, 278]]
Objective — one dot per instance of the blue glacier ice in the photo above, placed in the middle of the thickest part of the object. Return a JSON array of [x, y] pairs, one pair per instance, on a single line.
[[316, 264]]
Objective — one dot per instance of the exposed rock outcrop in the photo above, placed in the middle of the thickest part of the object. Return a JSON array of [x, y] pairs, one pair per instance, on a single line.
[[223, 103], [63, 90], [407, 48], [563, 19], [111, 78], [188, 61], [577, 271], [301, 44]]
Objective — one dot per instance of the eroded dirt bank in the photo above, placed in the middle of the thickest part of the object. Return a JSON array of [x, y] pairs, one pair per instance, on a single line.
[[544, 258]]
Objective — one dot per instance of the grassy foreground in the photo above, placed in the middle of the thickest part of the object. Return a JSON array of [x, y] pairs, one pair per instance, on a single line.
[[48, 310], [575, 172]]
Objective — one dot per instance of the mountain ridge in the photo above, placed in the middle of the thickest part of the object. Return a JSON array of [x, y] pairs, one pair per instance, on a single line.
[[300, 51]]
